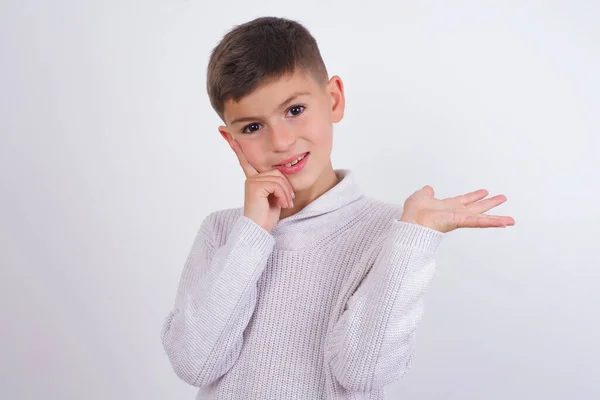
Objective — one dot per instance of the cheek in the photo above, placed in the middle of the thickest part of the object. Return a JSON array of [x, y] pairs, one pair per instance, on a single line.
[[321, 134], [255, 155]]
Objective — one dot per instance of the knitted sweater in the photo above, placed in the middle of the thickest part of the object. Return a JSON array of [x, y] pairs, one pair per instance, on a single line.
[[324, 306]]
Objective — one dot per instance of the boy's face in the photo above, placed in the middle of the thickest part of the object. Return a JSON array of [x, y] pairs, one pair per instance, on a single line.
[[285, 118]]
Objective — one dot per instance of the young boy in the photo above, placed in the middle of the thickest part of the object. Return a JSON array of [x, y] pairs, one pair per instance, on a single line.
[[311, 290]]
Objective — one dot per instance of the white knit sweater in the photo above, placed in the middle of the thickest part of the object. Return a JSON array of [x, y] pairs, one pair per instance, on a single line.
[[324, 306]]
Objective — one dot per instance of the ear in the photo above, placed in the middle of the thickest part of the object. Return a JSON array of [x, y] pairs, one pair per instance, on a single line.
[[335, 88], [225, 133]]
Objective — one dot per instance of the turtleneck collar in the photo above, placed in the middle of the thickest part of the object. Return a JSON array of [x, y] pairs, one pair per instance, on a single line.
[[343, 193]]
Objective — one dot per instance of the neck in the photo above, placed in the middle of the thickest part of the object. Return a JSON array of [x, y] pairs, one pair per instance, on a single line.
[[324, 182]]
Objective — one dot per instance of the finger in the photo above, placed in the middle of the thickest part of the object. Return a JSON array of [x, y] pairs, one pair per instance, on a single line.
[[486, 221], [287, 182], [280, 193], [283, 185], [248, 169], [428, 190], [466, 199], [485, 205], [278, 173], [277, 189]]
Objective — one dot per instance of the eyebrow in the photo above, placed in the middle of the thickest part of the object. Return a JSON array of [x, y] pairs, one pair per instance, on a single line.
[[249, 119]]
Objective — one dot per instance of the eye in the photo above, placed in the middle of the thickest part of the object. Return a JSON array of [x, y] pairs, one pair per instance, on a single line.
[[253, 127], [297, 109]]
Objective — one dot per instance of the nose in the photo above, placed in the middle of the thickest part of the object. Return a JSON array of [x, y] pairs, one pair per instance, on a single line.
[[282, 137]]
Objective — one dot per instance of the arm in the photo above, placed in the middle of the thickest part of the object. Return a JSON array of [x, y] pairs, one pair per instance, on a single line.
[[203, 334], [371, 344]]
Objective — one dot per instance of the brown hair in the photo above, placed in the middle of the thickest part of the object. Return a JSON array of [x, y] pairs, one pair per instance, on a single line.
[[256, 52]]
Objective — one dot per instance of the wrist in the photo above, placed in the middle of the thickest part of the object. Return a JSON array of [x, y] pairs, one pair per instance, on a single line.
[[409, 219]]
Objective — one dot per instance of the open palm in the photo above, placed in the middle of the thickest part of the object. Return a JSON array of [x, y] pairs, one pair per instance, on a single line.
[[463, 211]]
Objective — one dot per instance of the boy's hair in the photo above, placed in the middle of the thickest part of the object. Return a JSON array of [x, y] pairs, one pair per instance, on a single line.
[[256, 52]]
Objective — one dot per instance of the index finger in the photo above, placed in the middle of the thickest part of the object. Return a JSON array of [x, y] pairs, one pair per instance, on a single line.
[[249, 170]]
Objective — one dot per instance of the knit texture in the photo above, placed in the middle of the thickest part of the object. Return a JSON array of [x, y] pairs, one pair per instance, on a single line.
[[325, 306]]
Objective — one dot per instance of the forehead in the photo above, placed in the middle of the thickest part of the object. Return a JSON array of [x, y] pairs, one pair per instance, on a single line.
[[264, 99]]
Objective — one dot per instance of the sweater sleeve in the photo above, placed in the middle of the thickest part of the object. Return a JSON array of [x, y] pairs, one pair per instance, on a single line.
[[372, 342], [216, 297]]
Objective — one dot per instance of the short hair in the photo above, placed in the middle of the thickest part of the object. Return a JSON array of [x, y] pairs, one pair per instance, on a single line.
[[257, 52]]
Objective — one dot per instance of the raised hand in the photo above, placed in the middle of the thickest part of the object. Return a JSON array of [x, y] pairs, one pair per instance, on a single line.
[[463, 211], [266, 193]]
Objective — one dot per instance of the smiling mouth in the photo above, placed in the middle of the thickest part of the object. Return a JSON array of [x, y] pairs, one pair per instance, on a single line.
[[292, 163]]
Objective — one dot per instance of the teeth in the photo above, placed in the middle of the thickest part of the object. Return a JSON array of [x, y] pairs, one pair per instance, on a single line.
[[295, 161]]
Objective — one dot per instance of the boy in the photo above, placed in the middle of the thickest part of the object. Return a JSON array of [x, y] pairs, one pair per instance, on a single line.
[[311, 290]]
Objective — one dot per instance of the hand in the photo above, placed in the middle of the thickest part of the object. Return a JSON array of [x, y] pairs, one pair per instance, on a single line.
[[464, 211], [266, 192]]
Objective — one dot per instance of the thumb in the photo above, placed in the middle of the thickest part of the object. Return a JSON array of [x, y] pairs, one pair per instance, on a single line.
[[428, 190]]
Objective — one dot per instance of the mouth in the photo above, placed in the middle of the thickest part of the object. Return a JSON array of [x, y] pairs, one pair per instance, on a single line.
[[295, 165], [290, 162]]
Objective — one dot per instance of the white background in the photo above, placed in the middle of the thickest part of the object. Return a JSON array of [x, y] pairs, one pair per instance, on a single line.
[[110, 158]]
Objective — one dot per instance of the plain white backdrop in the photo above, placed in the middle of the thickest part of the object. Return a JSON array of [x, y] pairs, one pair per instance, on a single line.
[[110, 158]]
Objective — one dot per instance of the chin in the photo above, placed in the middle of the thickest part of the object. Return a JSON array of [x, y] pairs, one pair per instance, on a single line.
[[305, 181]]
